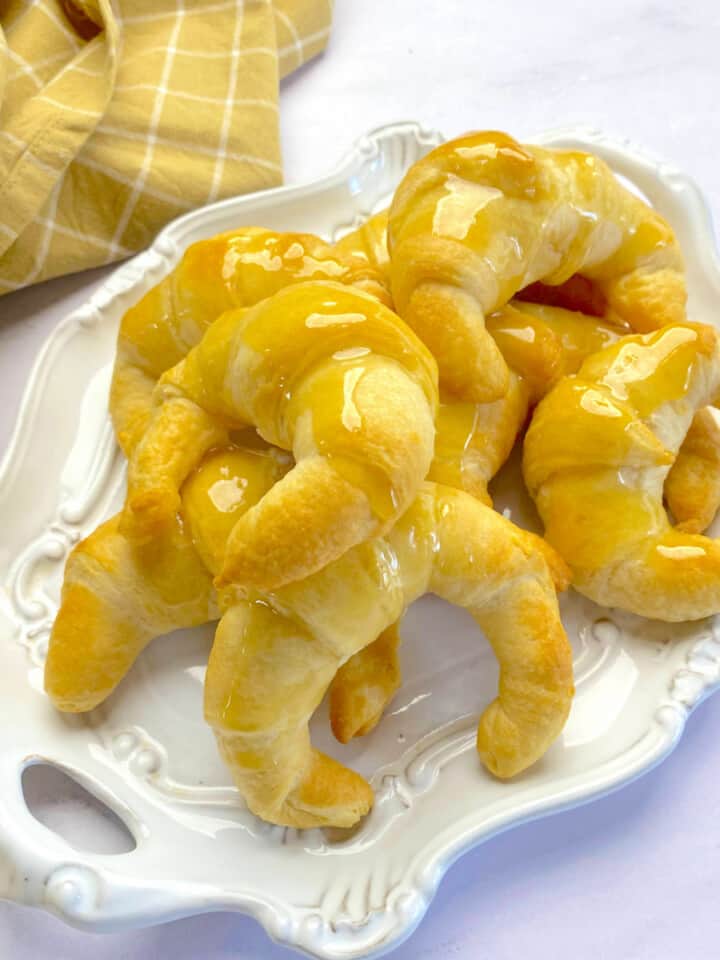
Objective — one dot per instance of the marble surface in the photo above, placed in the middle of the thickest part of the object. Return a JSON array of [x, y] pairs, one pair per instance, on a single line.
[[633, 875]]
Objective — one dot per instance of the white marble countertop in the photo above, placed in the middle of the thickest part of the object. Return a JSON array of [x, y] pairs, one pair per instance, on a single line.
[[631, 876]]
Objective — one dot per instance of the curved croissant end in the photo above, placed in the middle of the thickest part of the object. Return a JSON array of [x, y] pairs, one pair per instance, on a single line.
[[234, 269], [482, 217], [692, 488], [504, 580], [446, 543], [115, 599], [266, 675], [321, 370], [596, 456]]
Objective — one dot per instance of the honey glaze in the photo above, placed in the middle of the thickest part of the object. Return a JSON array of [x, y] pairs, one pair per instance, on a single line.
[[314, 346], [225, 485], [648, 371]]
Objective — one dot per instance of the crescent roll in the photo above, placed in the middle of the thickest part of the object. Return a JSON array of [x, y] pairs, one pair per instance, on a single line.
[[596, 456], [322, 370], [116, 597], [482, 217], [275, 654], [234, 269]]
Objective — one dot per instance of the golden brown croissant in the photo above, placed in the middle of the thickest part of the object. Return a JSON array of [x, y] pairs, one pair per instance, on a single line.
[[481, 217], [542, 344], [320, 369], [275, 654], [234, 269], [596, 456]]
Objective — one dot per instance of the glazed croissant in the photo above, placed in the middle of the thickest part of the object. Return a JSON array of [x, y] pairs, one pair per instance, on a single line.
[[596, 456], [234, 269], [117, 597], [322, 370], [446, 543], [482, 217], [539, 343]]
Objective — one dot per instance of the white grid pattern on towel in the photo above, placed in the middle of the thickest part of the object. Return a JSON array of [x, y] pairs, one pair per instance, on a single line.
[[137, 187]]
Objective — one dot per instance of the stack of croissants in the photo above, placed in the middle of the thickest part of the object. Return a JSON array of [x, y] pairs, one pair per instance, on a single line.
[[311, 430]]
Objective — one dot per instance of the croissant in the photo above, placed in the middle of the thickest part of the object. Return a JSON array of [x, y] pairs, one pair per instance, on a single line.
[[322, 370], [482, 217], [542, 344], [473, 441], [274, 654], [234, 269], [596, 456]]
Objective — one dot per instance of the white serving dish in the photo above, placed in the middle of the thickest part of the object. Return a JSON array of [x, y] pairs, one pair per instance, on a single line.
[[147, 754]]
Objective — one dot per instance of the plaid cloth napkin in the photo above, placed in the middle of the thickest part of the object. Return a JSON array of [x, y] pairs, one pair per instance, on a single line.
[[118, 115]]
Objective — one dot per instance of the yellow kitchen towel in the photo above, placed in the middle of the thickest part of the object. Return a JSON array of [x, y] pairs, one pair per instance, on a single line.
[[118, 115]]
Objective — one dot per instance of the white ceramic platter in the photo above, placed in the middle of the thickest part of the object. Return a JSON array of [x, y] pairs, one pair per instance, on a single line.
[[147, 754]]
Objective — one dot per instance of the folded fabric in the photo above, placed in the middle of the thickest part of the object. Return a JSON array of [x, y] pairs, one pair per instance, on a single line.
[[118, 115]]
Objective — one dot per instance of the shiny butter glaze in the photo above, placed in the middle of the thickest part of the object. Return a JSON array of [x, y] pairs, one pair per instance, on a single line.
[[321, 370], [225, 485], [234, 269], [231, 270], [543, 343]]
